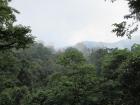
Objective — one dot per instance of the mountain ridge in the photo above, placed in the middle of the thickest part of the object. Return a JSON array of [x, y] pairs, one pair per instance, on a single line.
[[125, 43]]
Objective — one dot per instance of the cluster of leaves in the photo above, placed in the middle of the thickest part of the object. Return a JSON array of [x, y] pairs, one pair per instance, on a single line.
[[125, 27], [12, 36]]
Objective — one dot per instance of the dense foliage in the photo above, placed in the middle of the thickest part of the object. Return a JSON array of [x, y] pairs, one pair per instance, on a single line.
[[11, 35], [40, 75]]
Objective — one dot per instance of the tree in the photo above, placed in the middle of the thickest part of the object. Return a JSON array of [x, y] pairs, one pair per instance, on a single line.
[[129, 80], [96, 57], [40, 62], [12, 36], [23, 72], [9, 67], [124, 28], [5, 99], [71, 57], [77, 87], [135, 48], [110, 85], [24, 78], [112, 62]]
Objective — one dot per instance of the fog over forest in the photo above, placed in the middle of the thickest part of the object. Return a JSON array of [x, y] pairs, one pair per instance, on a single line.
[[69, 52]]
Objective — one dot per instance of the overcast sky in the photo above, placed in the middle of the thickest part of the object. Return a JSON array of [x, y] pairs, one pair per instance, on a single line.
[[66, 22]]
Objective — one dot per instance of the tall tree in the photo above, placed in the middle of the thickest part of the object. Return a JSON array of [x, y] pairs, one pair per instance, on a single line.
[[12, 36], [96, 57], [71, 57], [129, 80]]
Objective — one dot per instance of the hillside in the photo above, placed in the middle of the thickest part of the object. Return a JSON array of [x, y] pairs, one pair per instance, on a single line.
[[127, 43]]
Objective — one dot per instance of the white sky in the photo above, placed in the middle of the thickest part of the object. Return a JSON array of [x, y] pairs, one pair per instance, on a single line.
[[67, 22]]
